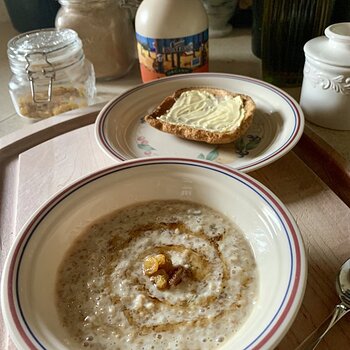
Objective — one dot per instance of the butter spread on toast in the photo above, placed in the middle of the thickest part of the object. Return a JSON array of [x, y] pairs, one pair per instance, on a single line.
[[204, 110]]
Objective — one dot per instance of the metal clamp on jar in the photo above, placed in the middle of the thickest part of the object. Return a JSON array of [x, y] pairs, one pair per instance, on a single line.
[[50, 73]]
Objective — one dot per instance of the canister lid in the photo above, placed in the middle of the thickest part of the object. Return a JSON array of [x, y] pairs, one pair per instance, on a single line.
[[333, 48], [60, 47]]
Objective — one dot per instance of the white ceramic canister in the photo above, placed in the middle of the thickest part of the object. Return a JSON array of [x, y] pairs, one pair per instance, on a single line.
[[325, 93], [172, 37], [219, 13]]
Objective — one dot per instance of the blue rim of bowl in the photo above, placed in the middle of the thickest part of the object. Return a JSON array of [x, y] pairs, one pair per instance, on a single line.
[[292, 296], [296, 132]]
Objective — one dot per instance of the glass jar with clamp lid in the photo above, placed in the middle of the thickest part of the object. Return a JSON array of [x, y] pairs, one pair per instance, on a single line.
[[50, 74]]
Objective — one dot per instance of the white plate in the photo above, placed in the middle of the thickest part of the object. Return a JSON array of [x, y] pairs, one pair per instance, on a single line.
[[278, 123], [29, 275]]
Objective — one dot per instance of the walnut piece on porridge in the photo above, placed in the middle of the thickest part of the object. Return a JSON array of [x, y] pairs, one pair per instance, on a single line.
[[177, 276]]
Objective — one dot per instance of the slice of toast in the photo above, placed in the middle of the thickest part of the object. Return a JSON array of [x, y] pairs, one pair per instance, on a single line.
[[196, 133]]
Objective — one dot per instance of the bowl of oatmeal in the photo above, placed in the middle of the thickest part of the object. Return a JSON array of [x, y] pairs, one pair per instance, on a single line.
[[158, 253]]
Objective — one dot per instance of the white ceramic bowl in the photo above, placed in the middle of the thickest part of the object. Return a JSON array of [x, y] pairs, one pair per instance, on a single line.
[[28, 281]]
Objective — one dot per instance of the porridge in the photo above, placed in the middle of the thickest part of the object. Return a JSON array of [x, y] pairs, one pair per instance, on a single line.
[[157, 275]]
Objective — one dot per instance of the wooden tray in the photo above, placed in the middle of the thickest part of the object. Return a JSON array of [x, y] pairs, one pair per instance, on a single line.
[[47, 156]]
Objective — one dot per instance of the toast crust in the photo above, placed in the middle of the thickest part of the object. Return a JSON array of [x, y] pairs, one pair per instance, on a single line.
[[195, 134]]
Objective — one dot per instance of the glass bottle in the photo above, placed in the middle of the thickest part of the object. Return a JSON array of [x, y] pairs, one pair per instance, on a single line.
[[286, 26], [50, 74], [257, 12], [172, 37], [106, 31], [31, 15]]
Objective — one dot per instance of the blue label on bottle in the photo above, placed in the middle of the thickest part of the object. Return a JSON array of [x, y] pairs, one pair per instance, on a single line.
[[164, 57]]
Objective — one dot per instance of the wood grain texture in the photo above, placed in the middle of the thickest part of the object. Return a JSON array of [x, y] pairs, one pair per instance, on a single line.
[[19, 200], [324, 222], [34, 134], [35, 174], [8, 211], [53, 165], [329, 165]]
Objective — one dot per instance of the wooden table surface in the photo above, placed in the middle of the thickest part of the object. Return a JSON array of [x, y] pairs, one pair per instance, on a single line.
[[38, 161]]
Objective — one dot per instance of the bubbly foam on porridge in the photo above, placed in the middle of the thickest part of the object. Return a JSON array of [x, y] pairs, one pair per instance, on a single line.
[[105, 300]]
